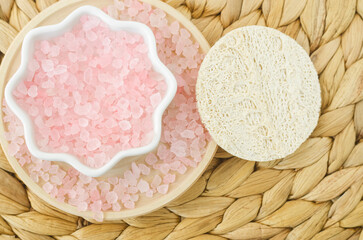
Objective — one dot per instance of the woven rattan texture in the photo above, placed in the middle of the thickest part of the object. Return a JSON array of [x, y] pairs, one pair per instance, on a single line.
[[315, 193]]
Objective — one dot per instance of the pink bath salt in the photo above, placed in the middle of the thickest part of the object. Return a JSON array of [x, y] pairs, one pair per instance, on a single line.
[[163, 189], [98, 216], [187, 134], [125, 125], [179, 148], [155, 99], [182, 169], [73, 86], [113, 180], [47, 187], [169, 178], [84, 178], [129, 204], [145, 170], [116, 207], [47, 65], [82, 206], [164, 168], [93, 144], [135, 170], [111, 197], [45, 177], [96, 206], [33, 91], [151, 159], [156, 181], [143, 186], [106, 206], [13, 148], [83, 122], [104, 186], [174, 27], [132, 189], [130, 178], [95, 195], [149, 193]]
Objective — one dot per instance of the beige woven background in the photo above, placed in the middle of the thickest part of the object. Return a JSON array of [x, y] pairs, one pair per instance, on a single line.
[[315, 193]]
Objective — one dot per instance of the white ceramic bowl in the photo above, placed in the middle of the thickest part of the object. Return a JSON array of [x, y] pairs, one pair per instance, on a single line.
[[48, 32]]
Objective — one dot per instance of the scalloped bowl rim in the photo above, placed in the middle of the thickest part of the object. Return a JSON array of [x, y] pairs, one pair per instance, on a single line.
[[51, 31]]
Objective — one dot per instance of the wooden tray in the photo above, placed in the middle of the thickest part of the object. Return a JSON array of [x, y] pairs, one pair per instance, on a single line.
[[53, 15]]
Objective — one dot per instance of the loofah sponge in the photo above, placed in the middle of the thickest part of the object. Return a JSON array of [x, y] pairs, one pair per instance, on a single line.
[[258, 93]]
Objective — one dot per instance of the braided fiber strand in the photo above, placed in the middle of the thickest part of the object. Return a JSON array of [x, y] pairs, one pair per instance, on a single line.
[[315, 193]]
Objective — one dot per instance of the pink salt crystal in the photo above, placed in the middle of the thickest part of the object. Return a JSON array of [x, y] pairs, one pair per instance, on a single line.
[[134, 197], [179, 148], [91, 36], [169, 178], [84, 178], [33, 91], [13, 149], [113, 180], [45, 176], [174, 27], [54, 51], [125, 125], [143, 186], [106, 206], [84, 135], [47, 65], [35, 177], [72, 172], [116, 207], [125, 197], [47, 187], [163, 189], [145, 170], [129, 204], [59, 69], [131, 179], [45, 46], [111, 197], [149, 193], [132, 190], [96, 206], [94, 195], [33, 65], [54, 169], [187, 134], [93, 144], [82, 206], [72, 57], [156, 181], [104, 187], [155, 99], [98, 216], [56, 180], [175, 165], [151, 159], [135, 170], [165, 168], [182, 169]]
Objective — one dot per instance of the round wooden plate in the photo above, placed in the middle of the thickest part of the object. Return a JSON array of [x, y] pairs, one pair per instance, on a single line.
[[10, 63]]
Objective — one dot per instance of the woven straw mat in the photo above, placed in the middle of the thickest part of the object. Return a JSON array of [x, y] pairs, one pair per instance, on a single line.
[[316, 193]]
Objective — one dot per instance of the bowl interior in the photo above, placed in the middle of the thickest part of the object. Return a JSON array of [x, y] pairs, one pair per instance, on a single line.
[[52, 31]]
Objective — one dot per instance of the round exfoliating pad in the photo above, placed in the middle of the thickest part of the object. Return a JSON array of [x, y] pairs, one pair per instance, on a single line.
[[258, 93]]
